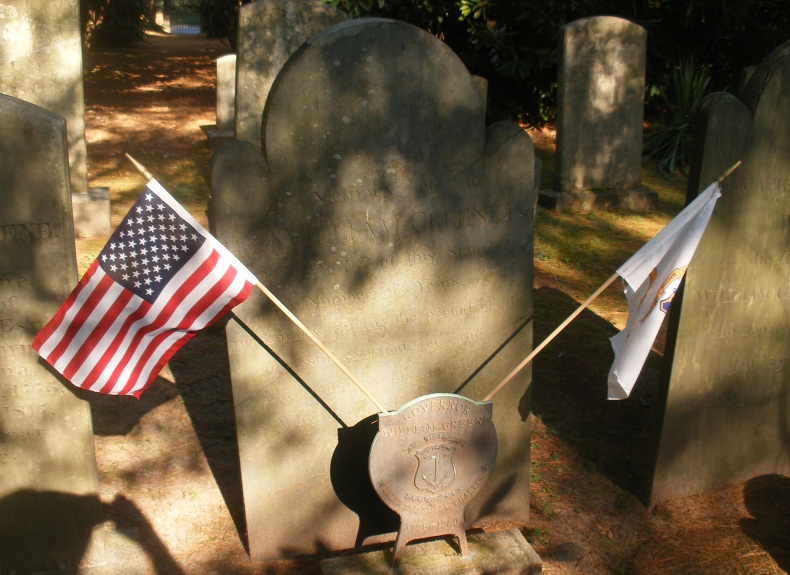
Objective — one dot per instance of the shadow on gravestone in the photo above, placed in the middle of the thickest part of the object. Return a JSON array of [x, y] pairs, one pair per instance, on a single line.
[[569, 393], [43, 534], [726, 395], [393, 223], [352, 484]]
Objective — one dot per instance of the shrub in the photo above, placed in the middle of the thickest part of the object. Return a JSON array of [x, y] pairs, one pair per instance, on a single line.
[[669, 139], [113, 23]]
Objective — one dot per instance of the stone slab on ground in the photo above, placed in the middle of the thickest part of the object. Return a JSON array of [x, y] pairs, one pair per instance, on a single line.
[[91, 211], [497, 553]]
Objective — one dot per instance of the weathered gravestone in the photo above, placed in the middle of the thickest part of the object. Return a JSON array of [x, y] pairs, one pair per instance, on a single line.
[[48, 487], [396, 226], [721, 135], [41, 63], [223, 131], [269, 32], [727, 408], [600, 101], [226, 92]]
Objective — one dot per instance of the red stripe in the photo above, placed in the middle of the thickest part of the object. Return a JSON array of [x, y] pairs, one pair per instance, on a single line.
[[117, 306], [57, 319], [185, 324], [164, 316], [87, 308]]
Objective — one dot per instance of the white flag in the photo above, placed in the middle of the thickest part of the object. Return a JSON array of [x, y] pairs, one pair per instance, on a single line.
[[652, 277]]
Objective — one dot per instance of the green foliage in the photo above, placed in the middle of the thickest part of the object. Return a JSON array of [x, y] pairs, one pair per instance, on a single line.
[[108, 23], [669, 139], [216, 17], [513, 44]]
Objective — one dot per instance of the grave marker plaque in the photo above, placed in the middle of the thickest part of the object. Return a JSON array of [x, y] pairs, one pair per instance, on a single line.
[[48, 487], [726, 413], [269, 32], [399, 229], [41, 63]]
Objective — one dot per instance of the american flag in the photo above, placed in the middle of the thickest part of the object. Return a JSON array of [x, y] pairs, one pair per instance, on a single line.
[[159, 280]]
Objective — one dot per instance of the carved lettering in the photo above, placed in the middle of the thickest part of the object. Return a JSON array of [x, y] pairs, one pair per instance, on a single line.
[[25, 232]]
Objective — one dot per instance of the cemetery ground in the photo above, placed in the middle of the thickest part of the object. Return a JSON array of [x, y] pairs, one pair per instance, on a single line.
[[169, 478]]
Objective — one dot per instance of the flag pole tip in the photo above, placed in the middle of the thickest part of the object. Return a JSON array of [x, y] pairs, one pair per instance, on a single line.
[[729, 171], [140, 168]]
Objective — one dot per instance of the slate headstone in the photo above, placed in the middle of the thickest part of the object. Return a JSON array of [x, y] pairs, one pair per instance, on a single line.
[[48, 487], [269, 32], [41, 63], [600, 101], [726, 413], [398, 228]]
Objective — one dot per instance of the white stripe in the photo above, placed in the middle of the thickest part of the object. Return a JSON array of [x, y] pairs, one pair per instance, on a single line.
[[153, 312], [184, 308], [200, 322], [87, 328], [107, 339], [57, 336]]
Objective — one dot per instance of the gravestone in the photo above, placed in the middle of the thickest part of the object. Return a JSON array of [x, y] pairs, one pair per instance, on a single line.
[[41, 63], [400, 230], [269, 32], [223, 131], [725, 417], [600, 101], [226, 92], [721, 135], [48, 487]]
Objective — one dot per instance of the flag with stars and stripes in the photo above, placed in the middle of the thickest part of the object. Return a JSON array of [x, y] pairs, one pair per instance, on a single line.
[[159, 280]]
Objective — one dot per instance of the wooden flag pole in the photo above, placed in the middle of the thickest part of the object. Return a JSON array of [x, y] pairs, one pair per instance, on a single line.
[[553, 334], [581, 308], [147, 175], [320, 345]]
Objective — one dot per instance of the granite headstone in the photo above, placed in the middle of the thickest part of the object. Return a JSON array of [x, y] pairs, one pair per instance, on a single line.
[[48, 487], [269, 32], [400, 230], [726, 409], [41, 63], [600, 101]]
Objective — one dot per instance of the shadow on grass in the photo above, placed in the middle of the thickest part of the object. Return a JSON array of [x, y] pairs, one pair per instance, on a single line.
[[569, 393]]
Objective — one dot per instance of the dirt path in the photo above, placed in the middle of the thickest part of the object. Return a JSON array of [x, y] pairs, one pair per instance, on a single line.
[[168, 465]]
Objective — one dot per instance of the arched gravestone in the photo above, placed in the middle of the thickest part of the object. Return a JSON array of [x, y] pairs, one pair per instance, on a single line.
[[396, 226], [49, 504], [41, 63], [727, 409], [269, 32], [600, 102]]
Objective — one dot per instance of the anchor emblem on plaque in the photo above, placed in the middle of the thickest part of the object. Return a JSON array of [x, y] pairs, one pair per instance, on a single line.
[[428, 460], [436, 469]]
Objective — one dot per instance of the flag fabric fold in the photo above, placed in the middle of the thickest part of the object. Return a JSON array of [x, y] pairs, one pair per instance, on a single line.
[[160, 279], [652, 276]]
